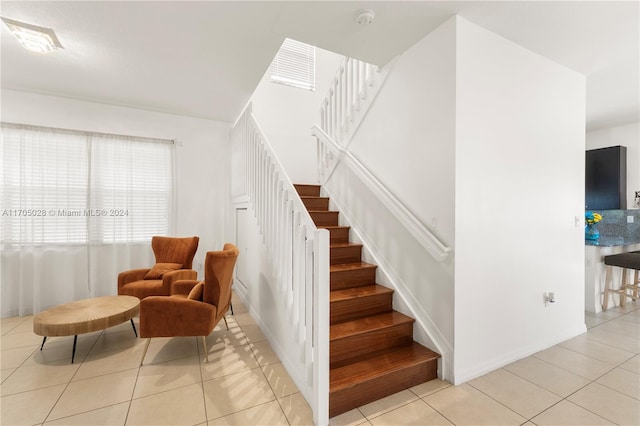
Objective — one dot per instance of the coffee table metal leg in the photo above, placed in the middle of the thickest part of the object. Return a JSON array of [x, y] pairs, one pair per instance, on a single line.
[[43, 340], [73, 354], [134, 328]]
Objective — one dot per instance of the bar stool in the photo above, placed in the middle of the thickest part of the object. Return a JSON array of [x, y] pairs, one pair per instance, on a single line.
[[626, 261]]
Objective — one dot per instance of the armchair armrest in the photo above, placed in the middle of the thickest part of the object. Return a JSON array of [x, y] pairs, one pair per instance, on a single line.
[[183, 287], [171, 277], [131, 276], [162, 316]]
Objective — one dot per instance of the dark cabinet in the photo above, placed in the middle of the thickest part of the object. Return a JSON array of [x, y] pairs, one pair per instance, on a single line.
[[606, 178]]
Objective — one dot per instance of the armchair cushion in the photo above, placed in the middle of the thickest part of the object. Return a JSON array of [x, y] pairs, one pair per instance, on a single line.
[[131, 276], [143, 288], [182, 287], [196, 292], [159, 269]]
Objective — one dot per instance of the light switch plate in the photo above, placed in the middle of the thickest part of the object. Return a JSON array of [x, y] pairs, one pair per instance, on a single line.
[[629, 219]]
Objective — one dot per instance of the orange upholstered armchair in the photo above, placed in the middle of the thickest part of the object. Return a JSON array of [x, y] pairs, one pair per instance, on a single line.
[[174, 257], [194, 307]]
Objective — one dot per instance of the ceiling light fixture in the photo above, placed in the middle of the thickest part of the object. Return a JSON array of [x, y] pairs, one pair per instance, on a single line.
[[32, 37], [365, 16]]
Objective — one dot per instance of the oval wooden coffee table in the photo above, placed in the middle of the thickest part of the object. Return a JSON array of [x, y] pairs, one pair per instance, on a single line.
[[85, 316]]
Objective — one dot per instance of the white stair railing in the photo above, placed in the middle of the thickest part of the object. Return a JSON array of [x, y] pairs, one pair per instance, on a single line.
[[353, 87], [299, 256]]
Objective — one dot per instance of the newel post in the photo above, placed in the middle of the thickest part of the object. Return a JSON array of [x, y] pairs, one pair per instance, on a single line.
[[321, 327]]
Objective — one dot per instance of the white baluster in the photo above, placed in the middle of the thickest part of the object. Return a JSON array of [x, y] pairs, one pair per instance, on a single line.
[[289, 245], [358, 83], [365, 81], [278, 231], [352, 89], [349, 87], [308, 337], [339, 94], [346, 112], [373, 71], [273, 182], [334, 119]]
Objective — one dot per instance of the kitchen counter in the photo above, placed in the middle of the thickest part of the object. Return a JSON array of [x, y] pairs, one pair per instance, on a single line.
[[619, 233], [608, 241]]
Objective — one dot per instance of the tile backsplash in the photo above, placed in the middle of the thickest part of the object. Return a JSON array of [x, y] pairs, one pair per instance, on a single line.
[[614, 223]]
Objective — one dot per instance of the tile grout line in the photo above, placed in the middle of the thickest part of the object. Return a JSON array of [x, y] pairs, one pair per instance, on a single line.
[[265, 376], [133, 391], [71, 379], [204, 396], [592, 381]]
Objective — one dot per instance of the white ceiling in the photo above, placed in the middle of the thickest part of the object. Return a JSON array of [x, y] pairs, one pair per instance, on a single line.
[[204, 58]]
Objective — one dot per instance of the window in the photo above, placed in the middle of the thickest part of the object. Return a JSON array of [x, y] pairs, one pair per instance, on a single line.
[[69, 187], [295, 65]]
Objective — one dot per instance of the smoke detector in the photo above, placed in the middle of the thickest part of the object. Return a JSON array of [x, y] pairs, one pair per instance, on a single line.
[[365, 16]]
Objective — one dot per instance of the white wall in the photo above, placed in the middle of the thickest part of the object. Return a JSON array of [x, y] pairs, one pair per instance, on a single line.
[[627, 135], [519, 189], [287, 113], [407, 141], [202, 154]]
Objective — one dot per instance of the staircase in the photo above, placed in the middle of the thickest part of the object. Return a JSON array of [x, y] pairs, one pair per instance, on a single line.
[[372, 352]]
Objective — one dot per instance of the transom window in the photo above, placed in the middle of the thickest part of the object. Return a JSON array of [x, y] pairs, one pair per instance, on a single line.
[[295, 65]]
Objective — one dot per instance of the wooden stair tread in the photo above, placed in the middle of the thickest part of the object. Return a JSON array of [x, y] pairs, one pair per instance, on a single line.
[[340, 245], [355, 292], [334, 227], [350, 266], [307, 190], [367, 324], [378, 365], [312, 202]]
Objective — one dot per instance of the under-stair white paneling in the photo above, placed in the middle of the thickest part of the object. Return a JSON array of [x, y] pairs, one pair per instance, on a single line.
[[627, 135], [520, 135], [287, 113], [264, 295], [202, 155]]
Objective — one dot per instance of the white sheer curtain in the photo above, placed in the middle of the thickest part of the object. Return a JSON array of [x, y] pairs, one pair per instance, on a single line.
[[77, 208]]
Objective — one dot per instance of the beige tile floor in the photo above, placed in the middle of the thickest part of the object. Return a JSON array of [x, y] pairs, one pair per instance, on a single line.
[[592, 379]]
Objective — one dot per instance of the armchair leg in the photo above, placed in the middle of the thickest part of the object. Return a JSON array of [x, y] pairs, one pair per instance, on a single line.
[[225, 322], [146, 346], [204, 346]]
